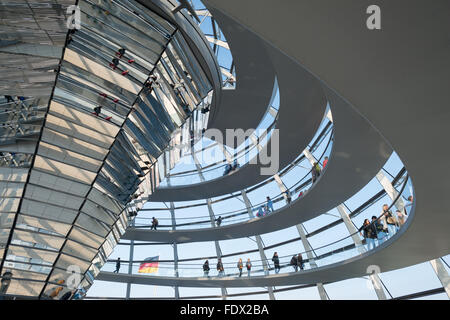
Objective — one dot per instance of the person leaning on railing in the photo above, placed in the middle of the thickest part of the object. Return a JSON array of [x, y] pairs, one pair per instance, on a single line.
[[380, 229], [154, 223], [276, 262], [315, 172], [220, 268], [392, 223], [300, 262], [206, 268], [294, 262], [249, 267], [240, 266], [369, 233]]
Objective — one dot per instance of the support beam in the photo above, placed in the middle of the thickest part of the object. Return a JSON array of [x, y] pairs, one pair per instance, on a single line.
[[309, 253], [174, 244], [374, 278], [227, 155], [376, 281], [259, 243], [301, 231], [282, 186], [351, 228], [175, 249], [309, 156], [130, 264], [391, 192], [211, 217], [442, 274]]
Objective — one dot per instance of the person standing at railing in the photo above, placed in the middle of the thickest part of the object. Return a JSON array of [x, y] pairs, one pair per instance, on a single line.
[[219, 221], [249, 267], [235, 165], [228, 168], [260, 212], [369, 233], [315, 172], [381, 230], [288, 196], [276, 262], [294, 262], [220, 268], [206, 268], [240, 266], [300, 262], [154, 224], [269, 204], [390, 220], [325, 161], [408, 206]]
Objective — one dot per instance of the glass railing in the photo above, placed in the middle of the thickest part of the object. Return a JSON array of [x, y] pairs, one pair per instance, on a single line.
[[242, 155], [333, 252], [279, 200], [217, 170]]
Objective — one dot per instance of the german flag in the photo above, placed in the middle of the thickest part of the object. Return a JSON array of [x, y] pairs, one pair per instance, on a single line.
[[150, 265]]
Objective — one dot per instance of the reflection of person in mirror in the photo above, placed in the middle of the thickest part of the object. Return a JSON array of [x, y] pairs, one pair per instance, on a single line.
[[117, 265]]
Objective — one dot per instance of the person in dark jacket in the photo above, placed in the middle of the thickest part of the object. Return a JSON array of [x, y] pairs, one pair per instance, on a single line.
[[117, 266], [240, 266], [235, 165], [379, 227], [249, 267], [294, 263], [206, 268], [9, 99], [219, 221], [300, 262], [154, 223], [369, 233], [220, 268], [228, 168], [269, 204], [276, 262]]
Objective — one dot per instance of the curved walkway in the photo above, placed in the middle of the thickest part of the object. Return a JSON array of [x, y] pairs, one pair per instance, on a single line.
[[399, 85], [410, 116], [358, 153], [245, 105], [302, 106]]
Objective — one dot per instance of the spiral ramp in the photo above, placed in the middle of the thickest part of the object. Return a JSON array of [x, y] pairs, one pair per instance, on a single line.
[[386, 92]]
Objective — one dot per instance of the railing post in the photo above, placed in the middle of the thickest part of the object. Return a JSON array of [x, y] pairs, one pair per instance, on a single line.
[[308, 248], [442, 274], [130, 264], [262, 254], [212, 218], [376, 282]]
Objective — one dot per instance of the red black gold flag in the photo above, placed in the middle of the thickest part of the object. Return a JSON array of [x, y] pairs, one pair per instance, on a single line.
[[150, 265]]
